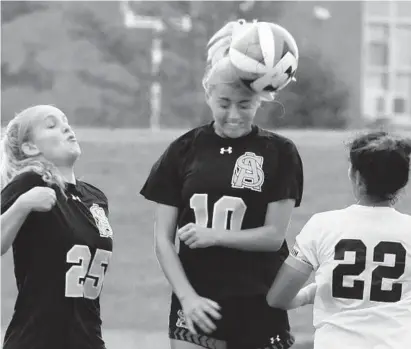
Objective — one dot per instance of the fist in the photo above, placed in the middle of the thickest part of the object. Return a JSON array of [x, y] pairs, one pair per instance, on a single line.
[[195, 236], [40, 199]]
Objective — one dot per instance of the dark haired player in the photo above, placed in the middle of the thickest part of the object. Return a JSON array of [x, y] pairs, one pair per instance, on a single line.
[[361, 256]]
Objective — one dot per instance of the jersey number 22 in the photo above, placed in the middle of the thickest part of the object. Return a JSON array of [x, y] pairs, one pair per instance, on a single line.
[[377, 294]]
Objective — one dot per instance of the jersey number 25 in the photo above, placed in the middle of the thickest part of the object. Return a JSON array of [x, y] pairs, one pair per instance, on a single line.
[[377, 294], [85, 278]]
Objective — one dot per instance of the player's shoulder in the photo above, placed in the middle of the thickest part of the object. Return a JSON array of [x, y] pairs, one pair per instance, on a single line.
[[193, 134], [188, 141], [275, 139], [403, 218], [322, 228], [92, 191], [25, 181], [329, 217], [19, 185]]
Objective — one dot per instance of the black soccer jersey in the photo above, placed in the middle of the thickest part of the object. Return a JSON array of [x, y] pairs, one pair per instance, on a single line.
[[60, 259], [227, 183]]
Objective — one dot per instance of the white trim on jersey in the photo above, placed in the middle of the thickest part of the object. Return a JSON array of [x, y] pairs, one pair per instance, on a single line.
[[299, 263]]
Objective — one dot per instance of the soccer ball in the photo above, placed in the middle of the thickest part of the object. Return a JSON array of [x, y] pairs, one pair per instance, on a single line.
[[264, 55]]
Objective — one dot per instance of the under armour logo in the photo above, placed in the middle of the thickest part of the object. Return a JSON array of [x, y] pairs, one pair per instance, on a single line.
[[74, 197], [275, 340], [229, 150]]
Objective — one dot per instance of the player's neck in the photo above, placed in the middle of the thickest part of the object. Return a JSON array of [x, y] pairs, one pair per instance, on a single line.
[[365, 201], [68, 174]]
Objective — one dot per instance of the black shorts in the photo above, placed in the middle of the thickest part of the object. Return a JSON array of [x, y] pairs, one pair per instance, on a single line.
[[246, 323]]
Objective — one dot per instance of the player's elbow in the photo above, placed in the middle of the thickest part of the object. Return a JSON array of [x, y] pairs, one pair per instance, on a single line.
[[5, 246], [275, 301], [271, 301], [158, 247], [277, 244], [275, 238], [3, 251], [161, 245], [5, 241]]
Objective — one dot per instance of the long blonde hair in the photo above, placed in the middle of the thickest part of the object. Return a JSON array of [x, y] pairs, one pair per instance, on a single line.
[[14, 161]]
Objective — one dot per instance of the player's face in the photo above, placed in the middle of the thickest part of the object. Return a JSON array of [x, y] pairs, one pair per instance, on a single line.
[[233, 109], [52, 137]]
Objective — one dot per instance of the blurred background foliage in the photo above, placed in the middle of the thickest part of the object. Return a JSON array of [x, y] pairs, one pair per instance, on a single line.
[[80, 57]]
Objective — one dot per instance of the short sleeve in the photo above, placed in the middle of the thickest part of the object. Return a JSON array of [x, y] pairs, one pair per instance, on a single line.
[[289, 179], [305, 248], [164, 183], [18, 186]]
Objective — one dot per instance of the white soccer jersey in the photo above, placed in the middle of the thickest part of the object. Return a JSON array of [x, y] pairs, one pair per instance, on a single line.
[[362, 261]]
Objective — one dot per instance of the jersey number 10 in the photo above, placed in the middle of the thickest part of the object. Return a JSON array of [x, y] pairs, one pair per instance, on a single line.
[[377, 294], [228, 212]]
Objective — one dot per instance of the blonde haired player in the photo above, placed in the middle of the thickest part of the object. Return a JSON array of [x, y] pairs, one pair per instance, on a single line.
[[229, 189], [58, 230], [361, 256]]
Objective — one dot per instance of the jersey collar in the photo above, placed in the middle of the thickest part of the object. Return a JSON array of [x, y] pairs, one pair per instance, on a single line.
[[73, 188], [254, 131]]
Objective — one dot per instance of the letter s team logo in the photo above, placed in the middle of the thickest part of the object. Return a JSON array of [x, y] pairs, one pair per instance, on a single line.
[[248, 172], [101, 221], [181, 321]]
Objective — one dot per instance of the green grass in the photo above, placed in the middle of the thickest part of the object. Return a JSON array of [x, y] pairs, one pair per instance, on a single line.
[[136, 295]]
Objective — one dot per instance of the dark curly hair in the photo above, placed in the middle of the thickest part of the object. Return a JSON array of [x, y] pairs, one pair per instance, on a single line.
[[383, 162]]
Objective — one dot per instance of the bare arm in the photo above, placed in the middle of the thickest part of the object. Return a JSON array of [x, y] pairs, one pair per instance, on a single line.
[[291, 277], [270, 237], [11, 222], [197, 310], [165, 229]]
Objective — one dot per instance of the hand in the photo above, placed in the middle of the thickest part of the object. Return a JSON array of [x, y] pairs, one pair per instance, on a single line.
[[304, 296], [198, 310], [40, 199], [297, 302], [195, 236]]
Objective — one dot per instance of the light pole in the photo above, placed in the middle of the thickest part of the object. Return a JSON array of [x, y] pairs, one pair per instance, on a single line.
[[132, 20], [247, 5]]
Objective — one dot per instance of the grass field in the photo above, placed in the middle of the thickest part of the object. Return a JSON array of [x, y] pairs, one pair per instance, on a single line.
[[136, 296]]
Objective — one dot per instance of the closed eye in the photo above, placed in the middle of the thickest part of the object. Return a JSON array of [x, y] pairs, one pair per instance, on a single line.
[[50, 121], [246, 106]]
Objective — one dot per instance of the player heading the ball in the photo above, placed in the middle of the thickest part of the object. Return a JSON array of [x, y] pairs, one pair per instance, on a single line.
[[227, 189]]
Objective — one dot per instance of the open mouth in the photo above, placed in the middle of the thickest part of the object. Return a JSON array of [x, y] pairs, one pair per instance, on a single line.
[[72, 139]]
